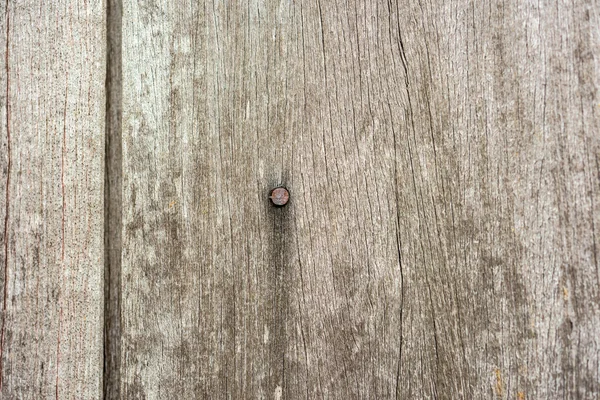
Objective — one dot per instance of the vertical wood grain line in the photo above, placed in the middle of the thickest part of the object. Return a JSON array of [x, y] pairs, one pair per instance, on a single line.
[[6, 215], [112, 203]]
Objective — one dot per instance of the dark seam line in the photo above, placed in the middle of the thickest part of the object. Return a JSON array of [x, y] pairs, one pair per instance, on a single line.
[[113, 172]]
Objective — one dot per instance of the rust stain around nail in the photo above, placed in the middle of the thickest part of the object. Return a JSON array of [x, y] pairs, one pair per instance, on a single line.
[[280, 196]]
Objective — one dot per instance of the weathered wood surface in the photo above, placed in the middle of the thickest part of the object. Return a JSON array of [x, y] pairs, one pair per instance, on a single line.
[[441, 237], [52, 68]]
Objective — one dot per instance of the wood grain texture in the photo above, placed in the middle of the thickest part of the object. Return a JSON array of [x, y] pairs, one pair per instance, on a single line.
[[52, 69], [440, 241]]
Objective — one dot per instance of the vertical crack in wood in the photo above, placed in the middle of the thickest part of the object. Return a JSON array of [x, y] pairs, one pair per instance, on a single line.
[[279, 286], [112, 203]]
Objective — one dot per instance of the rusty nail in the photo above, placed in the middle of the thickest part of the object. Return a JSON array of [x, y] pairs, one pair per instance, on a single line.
[[280, 196]]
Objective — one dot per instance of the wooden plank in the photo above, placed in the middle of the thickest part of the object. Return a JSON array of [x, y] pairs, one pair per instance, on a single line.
[[442, 159], [52, 69]]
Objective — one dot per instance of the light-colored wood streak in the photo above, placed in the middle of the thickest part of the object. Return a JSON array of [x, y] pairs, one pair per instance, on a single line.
[[52, 68], [440, 240]]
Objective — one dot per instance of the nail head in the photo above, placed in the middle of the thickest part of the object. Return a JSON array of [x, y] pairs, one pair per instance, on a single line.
[[280, 196]]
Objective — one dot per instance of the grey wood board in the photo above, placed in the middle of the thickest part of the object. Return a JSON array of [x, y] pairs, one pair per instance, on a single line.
[[442, 160], [52, 107]]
